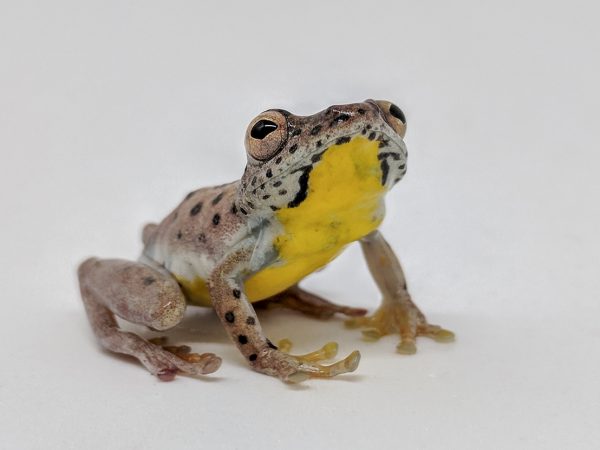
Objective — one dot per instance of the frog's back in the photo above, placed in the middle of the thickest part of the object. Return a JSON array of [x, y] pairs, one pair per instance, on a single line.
[[197, 233]]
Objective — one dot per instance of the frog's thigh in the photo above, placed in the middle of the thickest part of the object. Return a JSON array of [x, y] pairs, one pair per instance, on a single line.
[[134, 291], [143, 295]]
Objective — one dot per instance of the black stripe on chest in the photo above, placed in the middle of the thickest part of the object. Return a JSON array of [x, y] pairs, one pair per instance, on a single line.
[[303, 186]]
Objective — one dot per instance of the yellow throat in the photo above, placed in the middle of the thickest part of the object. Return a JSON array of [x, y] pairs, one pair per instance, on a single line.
[[343, 204]]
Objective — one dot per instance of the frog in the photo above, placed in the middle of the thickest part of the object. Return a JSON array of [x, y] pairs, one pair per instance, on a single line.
[[312, 185]]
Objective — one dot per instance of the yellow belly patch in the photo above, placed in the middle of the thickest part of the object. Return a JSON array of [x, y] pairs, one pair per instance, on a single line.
[[343, 204], [195, 291]]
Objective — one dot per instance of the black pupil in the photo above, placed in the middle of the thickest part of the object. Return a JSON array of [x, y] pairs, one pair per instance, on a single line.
[[397, 113], [262, 128]]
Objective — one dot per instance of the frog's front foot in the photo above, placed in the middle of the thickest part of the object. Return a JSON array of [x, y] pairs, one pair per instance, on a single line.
[[402, 317], [297, 368]]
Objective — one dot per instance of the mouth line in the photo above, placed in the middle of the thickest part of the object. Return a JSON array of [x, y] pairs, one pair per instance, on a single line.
[[397, 150]]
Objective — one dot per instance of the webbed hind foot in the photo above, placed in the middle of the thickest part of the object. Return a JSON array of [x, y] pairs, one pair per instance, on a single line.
[[310, 304]]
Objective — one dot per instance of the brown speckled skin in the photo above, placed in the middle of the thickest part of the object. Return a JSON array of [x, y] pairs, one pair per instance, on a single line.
[[218, 234], [182, 231]]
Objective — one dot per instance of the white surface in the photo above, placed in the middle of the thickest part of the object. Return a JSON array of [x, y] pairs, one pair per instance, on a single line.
[[111, 111]]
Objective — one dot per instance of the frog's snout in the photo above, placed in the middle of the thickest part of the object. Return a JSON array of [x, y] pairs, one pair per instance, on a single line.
[[392, 114]]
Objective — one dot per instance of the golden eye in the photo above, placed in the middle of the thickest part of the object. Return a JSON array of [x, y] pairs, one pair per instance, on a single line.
[[262, 128], [392, 115], [266, 135], [397, 113]]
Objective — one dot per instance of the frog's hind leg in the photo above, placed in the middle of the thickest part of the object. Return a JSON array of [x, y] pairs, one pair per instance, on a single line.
[[310, 304], [143, 295]]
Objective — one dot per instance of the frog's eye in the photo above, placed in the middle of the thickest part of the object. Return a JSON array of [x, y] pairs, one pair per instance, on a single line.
[[397, 113], [266, 135], [392, 115], [262, 128]]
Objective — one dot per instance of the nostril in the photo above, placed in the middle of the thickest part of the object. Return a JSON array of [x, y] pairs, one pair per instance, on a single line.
[[397, 113]]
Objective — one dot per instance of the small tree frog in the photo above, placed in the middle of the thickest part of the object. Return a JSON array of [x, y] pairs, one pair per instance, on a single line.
[[311, 186]]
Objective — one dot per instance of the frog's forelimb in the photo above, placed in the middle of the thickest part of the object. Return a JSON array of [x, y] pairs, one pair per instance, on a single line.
[[242, 325], [397, 312]]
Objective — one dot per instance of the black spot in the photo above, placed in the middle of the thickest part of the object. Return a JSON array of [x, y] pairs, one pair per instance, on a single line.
[[303, 192], [364, 131], [196, 209], [251, 205], [233, 209], [369, 127], [397, 113], [360, 111], [319, 143], [393, 155], [296, 132], [179, 235], [372, 135], [282, 192], [237, 293], [148, 281], [242, 339], [264, 197], [244, 212], [278, 160], [217, 199], [252, 357], [262, 129], [277, 184], [253, 182], [230, 317], [317, 157], [250, 320], [293, 148], [271, 345], [274, 208], [269, 173], [202, 237], [402, 166], [342, 117], [383, 143], [396, 180], [385, 168], [315, 130], [187, 197], [343, 140], [216, 219]]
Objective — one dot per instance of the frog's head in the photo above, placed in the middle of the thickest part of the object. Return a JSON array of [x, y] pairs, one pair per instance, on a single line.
[[283, 149]]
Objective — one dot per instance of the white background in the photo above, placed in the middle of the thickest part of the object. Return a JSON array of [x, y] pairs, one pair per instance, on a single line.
[[111, 111]]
